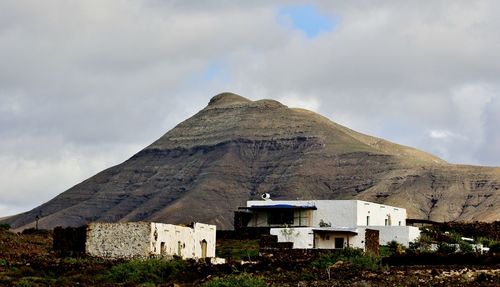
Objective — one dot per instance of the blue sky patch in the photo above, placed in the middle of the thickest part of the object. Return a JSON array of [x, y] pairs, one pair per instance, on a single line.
[[213, 71], [309, 19]]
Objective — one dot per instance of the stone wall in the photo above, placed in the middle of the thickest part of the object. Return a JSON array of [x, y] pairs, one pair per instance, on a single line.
[[69, 240], [372, 243], [119, 240]]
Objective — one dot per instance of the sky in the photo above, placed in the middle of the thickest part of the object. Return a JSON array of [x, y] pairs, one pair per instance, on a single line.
[[86, 84]]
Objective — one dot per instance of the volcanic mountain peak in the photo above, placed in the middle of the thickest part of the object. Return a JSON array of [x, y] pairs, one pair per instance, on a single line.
[[229, 117], [227, 99], [234, 149]]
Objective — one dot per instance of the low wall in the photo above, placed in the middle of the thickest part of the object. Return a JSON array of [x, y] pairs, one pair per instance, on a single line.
[[402, 234], [302, 237], [442, 259], [69, 240]]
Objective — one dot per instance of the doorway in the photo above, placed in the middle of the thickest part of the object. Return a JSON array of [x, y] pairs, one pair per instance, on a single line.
[[179, 248], [339, 242], [163, 248], [203, 248]]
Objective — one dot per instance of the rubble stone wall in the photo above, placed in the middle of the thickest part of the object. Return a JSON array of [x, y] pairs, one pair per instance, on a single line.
[[124, 240]]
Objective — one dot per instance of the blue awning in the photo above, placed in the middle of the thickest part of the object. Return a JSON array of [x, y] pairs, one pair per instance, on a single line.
[[335, 230], [281, 206]]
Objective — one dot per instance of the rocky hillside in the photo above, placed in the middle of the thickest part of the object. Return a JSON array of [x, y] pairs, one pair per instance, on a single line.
[[234, 149]]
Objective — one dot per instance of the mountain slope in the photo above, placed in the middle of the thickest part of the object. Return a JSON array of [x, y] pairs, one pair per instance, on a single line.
[[234, 149]]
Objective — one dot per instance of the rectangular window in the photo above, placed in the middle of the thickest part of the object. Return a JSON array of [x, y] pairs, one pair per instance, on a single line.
[[400, 223], [339, 242], [386, 222], [280, 217], [367, 220], [301, 218]]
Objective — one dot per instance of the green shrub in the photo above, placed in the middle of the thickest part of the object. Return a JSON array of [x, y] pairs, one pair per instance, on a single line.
[[242, 280], [3, 262], [4, 226], [454, 237], [486, 242], [146, 271], [495, 247], [422, 244], [237, 249], [465, 247], [24, 282], [354, 256], [446, 248], [395, 247], [366, 262]]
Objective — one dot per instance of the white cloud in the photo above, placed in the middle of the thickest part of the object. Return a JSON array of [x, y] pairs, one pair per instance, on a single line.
[[441, 134], [296, 101]]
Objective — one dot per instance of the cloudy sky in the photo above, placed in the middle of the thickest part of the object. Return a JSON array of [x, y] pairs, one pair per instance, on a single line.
[[86, 84]]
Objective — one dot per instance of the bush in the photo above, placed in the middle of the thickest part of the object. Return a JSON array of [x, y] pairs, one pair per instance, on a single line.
[[4, 226], [237, 249], [465, 247], [495, 247], [485, 241], [422, 244], [3, 262], [454, 237], [354, 256], [146, 271], [242, 280], [395, 247], [446, 248], [366, 262]]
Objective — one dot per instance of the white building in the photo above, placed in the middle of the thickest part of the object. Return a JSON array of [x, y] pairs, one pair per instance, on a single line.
[[146, 239], [329, 223]]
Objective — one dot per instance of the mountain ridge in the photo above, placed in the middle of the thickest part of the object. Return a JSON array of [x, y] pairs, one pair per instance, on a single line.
[[234, 149]]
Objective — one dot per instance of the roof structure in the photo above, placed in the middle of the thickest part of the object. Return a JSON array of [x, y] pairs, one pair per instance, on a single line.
[[281, 206], [336, 229]]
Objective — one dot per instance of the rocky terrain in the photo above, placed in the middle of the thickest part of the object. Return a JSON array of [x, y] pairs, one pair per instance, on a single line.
[[235, 149], [28, 259]]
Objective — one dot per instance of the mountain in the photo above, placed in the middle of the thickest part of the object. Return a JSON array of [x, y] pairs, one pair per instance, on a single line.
[[235, 149]]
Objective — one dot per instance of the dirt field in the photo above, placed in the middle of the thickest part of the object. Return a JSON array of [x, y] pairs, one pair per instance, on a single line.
[[28, 260]]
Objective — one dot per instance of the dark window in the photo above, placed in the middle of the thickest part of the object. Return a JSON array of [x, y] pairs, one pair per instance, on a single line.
[[339, 242], [280, 216]]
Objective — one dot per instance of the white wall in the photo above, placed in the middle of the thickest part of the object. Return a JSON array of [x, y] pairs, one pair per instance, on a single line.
[[181, 240], [401, 234], [358, 241], [340, 213], [302, 237], [205, 232], [378, 214], [327, 240]]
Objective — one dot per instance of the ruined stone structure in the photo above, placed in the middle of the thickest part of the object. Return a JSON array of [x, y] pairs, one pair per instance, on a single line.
[[147, 239]]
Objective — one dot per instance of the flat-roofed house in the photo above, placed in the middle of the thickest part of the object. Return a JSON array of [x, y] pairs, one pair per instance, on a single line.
[[328, 224]]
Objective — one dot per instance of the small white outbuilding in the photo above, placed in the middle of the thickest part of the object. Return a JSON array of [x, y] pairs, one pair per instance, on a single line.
[[148, 239]]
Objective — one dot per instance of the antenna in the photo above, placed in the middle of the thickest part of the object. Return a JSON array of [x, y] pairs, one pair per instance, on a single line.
[[265, 196]]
